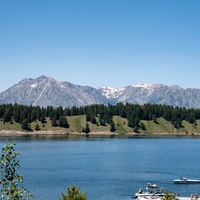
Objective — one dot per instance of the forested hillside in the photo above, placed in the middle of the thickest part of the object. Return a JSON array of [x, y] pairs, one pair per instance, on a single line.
[[99, 117]]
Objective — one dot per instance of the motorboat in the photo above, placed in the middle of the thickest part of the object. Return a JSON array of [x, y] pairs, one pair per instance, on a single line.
[[184, 180], [149, 186], [150, 197], [194, 197], [151, 191]]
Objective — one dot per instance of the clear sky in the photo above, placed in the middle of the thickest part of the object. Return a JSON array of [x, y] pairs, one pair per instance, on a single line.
[[101, 42]]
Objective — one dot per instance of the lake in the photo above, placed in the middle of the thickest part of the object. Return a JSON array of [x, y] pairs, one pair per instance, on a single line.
[[107, 167]]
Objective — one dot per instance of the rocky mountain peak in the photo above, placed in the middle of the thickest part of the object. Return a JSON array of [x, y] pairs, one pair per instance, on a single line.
[[45, 91]]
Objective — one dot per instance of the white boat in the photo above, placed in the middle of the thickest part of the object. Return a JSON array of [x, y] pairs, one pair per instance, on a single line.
[[184, 180], [194, 197], [151, 192], [149, 197]]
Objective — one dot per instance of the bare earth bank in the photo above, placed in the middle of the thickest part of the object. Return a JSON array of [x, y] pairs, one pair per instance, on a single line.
[[62, 132]]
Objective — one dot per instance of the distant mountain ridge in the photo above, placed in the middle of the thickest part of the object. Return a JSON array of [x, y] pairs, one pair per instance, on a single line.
[[45, 91]]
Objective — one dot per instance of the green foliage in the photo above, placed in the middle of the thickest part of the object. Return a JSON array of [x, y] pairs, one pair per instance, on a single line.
[[37, 128], [83, 130], [175, 124], [54, 121], [63, 122], [142, 126], [87, 117], [133, 122], [168, 196], [43, 119], [33, 115], [9, 175], [132, 112], [102, 122], [73, 194], [73, 111], [112, 127], [87, 129], [154, 118], [25, 125], [93, 120], [135, 129], [7, 116]]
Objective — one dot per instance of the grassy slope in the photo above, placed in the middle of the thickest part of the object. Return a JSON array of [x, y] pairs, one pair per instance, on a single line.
[[77, 122]]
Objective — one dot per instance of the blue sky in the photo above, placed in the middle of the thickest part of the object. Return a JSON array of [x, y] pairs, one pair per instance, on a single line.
[[101, 42]]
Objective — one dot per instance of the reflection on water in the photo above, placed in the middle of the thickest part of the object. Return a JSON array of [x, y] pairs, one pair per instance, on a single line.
[[106, 167]]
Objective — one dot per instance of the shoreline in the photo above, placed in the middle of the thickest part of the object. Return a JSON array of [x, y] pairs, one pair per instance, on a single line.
[[107, 133]]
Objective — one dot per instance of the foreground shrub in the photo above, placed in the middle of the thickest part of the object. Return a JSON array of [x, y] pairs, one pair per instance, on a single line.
[[9, 177], [73, 194]]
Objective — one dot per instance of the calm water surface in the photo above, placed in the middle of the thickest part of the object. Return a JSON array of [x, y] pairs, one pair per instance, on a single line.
[[107, 168]]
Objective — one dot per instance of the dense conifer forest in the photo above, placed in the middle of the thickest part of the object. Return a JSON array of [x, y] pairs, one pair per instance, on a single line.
[[134, 113]]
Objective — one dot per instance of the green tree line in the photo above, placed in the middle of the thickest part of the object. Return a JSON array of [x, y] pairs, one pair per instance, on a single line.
[[134, 113]]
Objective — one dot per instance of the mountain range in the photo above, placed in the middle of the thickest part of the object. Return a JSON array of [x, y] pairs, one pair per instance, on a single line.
[[45, 91]]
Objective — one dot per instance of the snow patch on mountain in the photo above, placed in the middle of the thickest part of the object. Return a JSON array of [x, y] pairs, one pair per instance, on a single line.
[[141, 85], [34, 85], [112, 92], [116, 92]]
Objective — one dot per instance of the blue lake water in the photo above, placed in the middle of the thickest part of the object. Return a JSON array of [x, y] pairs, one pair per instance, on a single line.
[[107, 168]]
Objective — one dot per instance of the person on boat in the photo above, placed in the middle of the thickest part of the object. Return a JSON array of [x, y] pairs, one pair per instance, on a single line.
[[156, 191], [140, 191], [148, 192], [184, 178], [161, 189]]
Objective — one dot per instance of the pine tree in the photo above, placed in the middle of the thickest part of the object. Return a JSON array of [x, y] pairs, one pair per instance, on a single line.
[[83, 130], [65, 123], [11, 121], [191, 119], [16, 115], [135, 129], [112, 127], [102, 122], [142, 126], [179, 123], [43, 119], [25, 125], [87, 117], [73, 111], [60, 121], [94, 120], [33, 115], [175, 124], [38, 113], [37, 128], [54, 121], [7, 116], [131, 122], [87, 129], [154, 119]]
